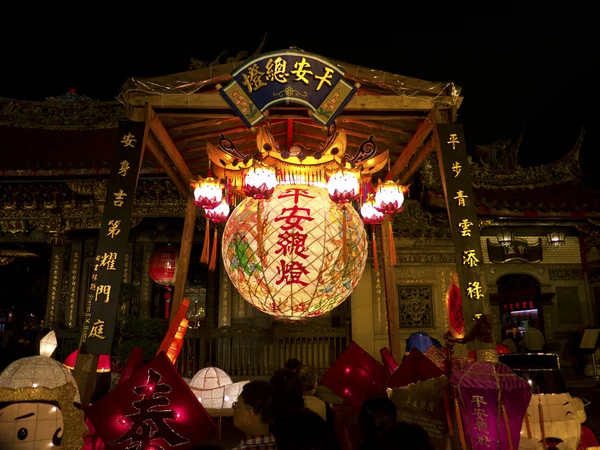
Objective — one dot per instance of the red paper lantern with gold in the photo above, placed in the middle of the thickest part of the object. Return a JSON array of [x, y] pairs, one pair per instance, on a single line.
[[163, 265]]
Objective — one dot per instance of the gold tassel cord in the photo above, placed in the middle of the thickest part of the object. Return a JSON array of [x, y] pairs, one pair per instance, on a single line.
[[461, 431], [344, 236], [374, 240], [205, 249], [392, 245], [507, 426], [259, 230], [213, 258], [527, 426]]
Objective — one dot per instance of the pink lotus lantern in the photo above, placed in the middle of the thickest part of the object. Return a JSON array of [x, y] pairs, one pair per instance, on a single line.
[[372, 216], [389, 197], [208, 192], [260, 182], [492, 402], [216, 215], [343, 185], [219, 213]]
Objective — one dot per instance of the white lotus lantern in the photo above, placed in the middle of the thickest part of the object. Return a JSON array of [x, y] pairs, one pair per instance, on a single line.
[[389, 197], [215, 389], [208, 192], [260, 181]]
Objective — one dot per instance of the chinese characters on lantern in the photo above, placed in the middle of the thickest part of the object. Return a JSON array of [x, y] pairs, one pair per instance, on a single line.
[[291, 242], [462, 211], [288, 77], [105, 280], [481, 425]]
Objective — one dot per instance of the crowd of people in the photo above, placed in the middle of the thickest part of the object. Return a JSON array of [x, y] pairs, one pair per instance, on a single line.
[[285, 414]]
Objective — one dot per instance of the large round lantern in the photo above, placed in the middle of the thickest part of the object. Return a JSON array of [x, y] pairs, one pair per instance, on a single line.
[[298, 271], [163, 265]]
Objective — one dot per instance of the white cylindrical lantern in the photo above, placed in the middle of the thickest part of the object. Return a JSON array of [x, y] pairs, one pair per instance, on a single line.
[[299, 270]]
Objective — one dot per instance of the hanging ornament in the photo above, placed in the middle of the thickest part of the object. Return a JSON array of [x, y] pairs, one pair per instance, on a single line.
[[216, 215], [260, 182], [208, 192], [343, 187], [163, 271], [371, 216], [389, 198]]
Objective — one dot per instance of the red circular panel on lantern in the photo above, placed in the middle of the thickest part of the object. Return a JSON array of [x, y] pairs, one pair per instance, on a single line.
[[163, 265]]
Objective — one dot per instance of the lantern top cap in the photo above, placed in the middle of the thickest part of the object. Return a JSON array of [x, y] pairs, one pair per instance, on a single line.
[[206, 181]]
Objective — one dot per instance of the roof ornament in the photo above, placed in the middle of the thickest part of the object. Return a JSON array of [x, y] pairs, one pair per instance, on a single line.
[[70, 97]]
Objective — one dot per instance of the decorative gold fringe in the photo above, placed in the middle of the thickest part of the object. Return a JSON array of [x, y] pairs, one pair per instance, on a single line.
[[507, 426], [527, 426], [213, 258], [375, 260], [392, 245], [461, 431], [205, 249], [344, 236]]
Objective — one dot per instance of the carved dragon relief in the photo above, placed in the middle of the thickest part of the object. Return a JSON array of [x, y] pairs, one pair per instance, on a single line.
[[496, 166]]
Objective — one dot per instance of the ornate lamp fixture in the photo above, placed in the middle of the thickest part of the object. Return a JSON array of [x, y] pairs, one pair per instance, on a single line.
[[505, 237], [389, 198], [556, 238]]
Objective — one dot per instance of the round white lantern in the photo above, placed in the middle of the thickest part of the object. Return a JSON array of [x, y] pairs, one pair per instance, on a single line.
[[260, 182], [299, 269], [214, 388], [343, 186], [389, 197]]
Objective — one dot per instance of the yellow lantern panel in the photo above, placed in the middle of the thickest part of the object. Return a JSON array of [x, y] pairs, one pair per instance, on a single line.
[[291, 264]]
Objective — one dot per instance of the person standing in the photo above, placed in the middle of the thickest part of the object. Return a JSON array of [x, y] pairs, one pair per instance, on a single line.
[[253, 414]]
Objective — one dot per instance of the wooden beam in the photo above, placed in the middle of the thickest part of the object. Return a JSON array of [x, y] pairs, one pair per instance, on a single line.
[[164, 139], [204, 123], [165, 162], [391, 293], [213, 100], [372, 125], [185, 251], [414, 164], [422, 132]]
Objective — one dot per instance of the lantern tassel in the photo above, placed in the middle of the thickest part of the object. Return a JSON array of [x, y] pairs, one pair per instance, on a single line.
[[205, 249], [448, 414], [507, 426], [527, 426], [259, 231], [344, 236], [213, 257], [392, 245], [461, 431], [375, 260]]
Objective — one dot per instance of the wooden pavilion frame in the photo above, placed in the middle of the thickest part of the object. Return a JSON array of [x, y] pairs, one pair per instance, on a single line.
[[180, 123]]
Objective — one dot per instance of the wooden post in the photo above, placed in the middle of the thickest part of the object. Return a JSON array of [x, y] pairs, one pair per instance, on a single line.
[[185, 251], [85, 375], [391, 294]]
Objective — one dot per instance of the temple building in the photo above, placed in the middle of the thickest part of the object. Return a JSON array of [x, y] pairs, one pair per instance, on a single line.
[[539, 227]]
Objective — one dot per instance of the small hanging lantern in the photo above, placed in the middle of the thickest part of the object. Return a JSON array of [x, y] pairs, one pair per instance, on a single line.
[[505, 237], [389, 197], [208, 192], [260, 182], [371, 216], [163, 271], [556, 238], [343, 185], [216, 215]]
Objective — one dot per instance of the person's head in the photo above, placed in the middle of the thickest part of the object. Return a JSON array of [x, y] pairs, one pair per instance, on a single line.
[[253, 413], [404, 435], [376, 415], [287, 393], [532, 323], [305, 430], [292, 364], [307, 379]]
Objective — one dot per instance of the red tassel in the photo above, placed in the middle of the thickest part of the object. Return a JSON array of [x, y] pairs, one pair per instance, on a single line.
[[344, 237], [392, 245], [213, 258], [205, 249], [375, 260]]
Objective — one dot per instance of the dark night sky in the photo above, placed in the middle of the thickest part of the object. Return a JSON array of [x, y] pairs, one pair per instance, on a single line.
[[514, 73]]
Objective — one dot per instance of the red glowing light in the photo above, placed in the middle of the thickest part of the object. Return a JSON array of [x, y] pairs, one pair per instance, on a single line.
[[347, 369], [346, 391]]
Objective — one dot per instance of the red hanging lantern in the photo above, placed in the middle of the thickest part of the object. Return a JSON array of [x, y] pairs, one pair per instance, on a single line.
[[163, 271], [163, 265]]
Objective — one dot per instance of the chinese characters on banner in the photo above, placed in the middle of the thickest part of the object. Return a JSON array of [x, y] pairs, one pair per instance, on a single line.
[[462, 214], [288, 77], [105, 286], [54, 286]]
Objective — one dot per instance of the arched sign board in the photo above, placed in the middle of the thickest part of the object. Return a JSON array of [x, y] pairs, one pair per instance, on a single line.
[[288, 77]]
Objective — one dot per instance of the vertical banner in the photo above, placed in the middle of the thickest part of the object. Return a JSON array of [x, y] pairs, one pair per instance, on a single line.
[[105, 287], [456, 179], [73, 298], [54, 284]]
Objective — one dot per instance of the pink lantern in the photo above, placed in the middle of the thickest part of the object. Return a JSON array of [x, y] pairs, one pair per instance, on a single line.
[[370, 213], [208, 192], [343, 186], [389, 197], [493, 402], [260, 182], [219, 213]]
